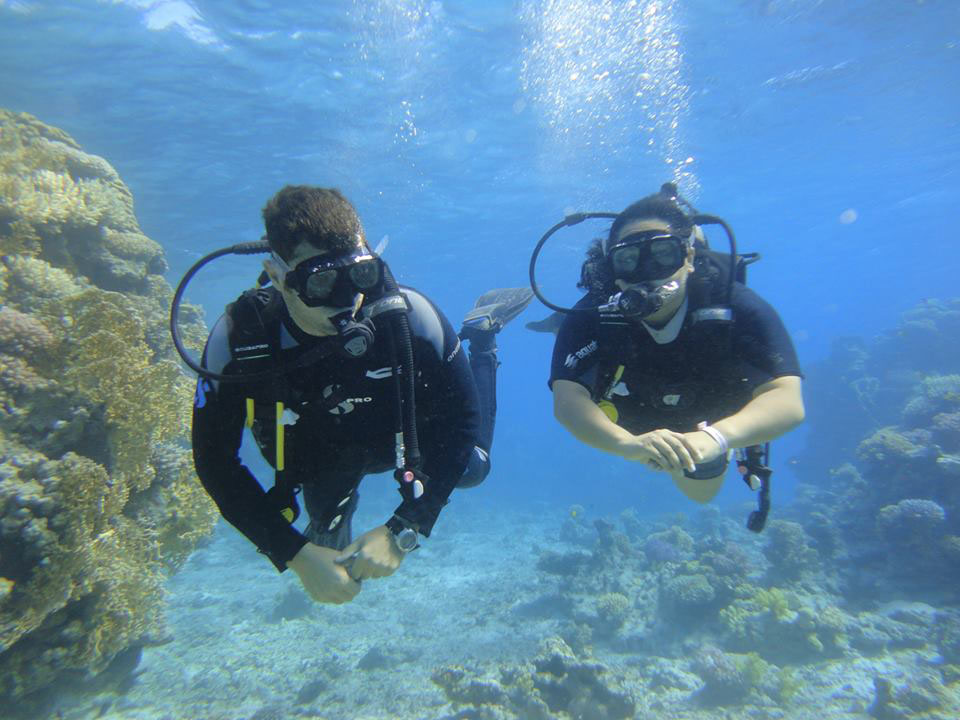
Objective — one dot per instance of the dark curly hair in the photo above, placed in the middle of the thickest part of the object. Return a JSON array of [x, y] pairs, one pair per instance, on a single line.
[[321, 217], [595, 273]]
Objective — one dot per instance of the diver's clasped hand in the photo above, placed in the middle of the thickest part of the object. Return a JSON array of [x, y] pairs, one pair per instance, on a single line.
[[372, 555], [665, 450], [334, 576], [322, 577]]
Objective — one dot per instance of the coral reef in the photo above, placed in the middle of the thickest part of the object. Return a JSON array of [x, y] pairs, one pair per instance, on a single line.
[[728, 678], [894, 515], [857, 578], [928, 699], [914, 522], [612, 611], [97, 493], [557, 684], [669, 546], [686, 595], [866, 385], [789, 551], [784, 627]]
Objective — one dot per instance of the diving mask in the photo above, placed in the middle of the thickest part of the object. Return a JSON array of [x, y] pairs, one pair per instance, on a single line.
[[648, 255], [332, 280]]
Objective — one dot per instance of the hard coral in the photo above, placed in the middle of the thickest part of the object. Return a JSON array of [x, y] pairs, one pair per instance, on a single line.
[[728, 678], [789, 550], [24, 335], [613, 609], [672, 545], [928, 699], [935, 394], [144, 401], [17, 377], [575, 688], [31, 284], [97, 493], [947, 629], [70, 208], [728, 561], [890, 449], [781, 628], [946, 430], [686, 594], [556, 685], [913, 522]]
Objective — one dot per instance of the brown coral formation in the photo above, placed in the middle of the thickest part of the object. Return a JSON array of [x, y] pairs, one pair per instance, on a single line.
[[556, 685], [97, 494]]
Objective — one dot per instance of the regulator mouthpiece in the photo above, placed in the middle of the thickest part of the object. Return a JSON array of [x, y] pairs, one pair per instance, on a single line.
[[356, 338], [642, 301]]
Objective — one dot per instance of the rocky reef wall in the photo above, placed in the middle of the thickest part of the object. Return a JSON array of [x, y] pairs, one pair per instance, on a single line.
[[881, 490], [97, 492]]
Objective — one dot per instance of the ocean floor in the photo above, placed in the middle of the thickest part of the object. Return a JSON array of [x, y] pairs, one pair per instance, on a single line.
[[472, 611]]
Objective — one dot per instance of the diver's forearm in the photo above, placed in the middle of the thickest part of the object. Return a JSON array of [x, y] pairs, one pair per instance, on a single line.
[[577, 412], [766, 417]]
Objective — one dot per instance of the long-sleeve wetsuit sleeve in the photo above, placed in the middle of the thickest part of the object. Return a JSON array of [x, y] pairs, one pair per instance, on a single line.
[[449, 412], [218, 422]]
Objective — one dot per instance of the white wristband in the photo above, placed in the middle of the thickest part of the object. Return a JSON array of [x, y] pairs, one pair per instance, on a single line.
[[716, 435]]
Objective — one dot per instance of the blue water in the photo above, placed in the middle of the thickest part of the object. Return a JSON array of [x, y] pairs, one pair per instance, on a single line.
[[462, 130], [824, 131]]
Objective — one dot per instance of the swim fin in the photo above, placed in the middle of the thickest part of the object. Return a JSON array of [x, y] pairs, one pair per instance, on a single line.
[[550, 324], [495, 308]]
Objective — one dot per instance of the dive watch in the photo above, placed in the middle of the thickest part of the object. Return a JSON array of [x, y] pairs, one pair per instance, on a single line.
[[404, 535]]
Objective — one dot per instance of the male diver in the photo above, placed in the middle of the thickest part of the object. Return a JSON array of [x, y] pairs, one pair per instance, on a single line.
[[667, 360], [338, 373]]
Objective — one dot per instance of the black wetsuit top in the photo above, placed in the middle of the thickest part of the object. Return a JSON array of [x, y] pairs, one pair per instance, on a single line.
[[680, 383], [334, 447]]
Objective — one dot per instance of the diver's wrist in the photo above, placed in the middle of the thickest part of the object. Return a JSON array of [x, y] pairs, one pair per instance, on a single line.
[[625, 447], [718, 437], [404, 534]]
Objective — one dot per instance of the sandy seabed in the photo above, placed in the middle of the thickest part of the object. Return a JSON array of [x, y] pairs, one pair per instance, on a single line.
[[247, 644]]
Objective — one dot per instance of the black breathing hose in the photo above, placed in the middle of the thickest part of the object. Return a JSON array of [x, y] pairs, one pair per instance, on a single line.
[[714, 220], [568, 221], [251, 248], [407, 380]]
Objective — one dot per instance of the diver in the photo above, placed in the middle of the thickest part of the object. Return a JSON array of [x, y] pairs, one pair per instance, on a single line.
[[669, 359], [339, 373]]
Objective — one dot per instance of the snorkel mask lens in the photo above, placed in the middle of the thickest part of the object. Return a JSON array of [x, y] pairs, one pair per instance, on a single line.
[[365, 274], [317, 286], [648, 255], [323, 280]]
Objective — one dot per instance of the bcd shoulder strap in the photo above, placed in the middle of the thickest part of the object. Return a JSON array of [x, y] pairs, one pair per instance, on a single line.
[[254, 329], [711, 273], [254, 323]]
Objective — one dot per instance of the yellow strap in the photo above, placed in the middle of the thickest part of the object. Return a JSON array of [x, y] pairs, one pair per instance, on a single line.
[[279, 464], [617, 375], [608, 408], [287, 513]]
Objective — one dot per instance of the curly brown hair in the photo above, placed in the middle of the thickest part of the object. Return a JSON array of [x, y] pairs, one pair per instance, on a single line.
[[321, 217]]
